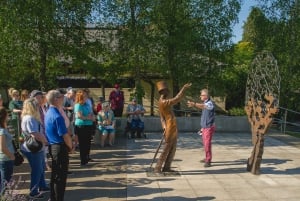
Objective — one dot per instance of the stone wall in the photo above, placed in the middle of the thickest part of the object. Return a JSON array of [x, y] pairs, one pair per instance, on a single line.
[[192, 124]]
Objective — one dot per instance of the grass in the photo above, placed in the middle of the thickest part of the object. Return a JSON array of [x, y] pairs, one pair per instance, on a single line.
[[294, 134]]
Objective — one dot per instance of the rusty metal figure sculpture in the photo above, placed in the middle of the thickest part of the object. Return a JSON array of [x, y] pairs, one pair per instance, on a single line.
[[262, 102]]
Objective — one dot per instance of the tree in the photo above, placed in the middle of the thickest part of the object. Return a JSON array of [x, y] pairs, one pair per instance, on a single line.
[[12, 54], [46, 32], [255, 29], [284, 41], [234, 75], [182, 40], [192, 36]]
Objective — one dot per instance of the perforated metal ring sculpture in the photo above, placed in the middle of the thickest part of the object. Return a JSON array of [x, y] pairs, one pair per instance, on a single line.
[[262, 102]]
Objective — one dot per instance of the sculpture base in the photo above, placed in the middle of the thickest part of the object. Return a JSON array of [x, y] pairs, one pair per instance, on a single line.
[[150, 173]]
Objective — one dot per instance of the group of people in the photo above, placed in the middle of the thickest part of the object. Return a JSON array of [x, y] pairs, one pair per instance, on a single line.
[[61, 120]]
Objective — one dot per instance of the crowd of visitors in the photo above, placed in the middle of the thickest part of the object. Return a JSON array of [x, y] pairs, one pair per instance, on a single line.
[[59, 120], [62, 120]]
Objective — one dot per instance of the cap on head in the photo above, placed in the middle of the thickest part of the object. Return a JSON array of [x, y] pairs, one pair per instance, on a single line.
[[117, 86], [161, 85], [35, 93], [134, 99]]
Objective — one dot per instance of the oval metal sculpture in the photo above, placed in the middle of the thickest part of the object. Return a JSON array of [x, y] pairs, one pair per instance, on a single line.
[[261, 103]]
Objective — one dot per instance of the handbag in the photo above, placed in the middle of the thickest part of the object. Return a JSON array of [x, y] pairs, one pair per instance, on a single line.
[[32, 144], [19, 159]]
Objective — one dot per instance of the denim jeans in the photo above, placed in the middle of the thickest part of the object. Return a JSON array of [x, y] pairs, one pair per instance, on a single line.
[[137, 126], [6, 172], [37, 164]]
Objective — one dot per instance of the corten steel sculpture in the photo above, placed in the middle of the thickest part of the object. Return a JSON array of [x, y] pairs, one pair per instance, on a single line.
[[261, 103]]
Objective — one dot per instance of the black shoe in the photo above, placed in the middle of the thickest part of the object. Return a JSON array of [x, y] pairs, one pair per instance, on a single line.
[[84, 164], [36, 196], [207, 164], [69, 172], [45, 189]]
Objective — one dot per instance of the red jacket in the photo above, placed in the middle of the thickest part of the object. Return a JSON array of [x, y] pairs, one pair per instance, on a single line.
[[116, 99]]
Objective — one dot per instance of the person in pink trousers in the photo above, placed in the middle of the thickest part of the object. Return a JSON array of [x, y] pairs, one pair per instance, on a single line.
[[207, 123]]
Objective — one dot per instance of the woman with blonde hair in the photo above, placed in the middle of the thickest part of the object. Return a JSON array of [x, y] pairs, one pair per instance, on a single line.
[[31, 126], [24, 95], [106, 124]]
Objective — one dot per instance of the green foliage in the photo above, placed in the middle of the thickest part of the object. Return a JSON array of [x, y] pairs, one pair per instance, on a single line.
[[255, 29], [237, 111], [234, 76], [138, 93], [41, 31], [281, 37], [183, 41]]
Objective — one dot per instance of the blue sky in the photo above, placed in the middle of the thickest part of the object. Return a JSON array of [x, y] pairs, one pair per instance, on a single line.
[[238, 28]]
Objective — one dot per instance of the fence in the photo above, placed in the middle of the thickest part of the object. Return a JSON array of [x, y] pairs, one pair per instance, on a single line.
[[14, 127], [287, 121]]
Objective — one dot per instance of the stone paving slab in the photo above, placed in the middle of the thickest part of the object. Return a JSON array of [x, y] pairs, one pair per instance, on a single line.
[[120, 172]]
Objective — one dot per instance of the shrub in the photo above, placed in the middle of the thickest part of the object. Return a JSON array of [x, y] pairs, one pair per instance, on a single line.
[[237, 112]]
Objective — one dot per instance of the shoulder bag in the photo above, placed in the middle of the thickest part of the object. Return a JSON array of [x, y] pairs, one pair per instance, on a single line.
[[19, 159], [32, 143]]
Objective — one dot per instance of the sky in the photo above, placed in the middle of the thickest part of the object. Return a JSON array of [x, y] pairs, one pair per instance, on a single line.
[[238, 28]]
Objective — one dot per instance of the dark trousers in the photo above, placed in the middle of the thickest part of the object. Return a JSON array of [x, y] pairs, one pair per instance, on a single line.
[[118, 112], [84, 134], [60, 163]]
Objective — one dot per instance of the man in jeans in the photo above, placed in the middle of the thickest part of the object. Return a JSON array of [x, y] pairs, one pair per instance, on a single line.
[[207, 123], [135, 118], [60, 144]]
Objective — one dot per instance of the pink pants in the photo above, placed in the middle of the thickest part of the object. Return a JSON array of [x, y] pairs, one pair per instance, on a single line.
[[207, 134]]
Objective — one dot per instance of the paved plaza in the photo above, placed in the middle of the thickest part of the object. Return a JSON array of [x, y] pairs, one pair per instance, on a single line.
[[120, 173]]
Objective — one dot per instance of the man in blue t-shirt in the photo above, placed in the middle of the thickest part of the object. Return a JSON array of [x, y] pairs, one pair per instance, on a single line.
[[60, 145]]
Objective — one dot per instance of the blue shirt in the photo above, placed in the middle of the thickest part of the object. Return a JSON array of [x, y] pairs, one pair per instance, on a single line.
[[29, 126], [55, 126], [208, 114], [8, 142]]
